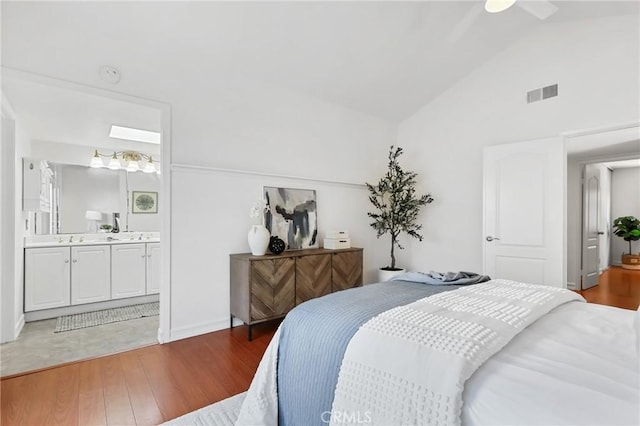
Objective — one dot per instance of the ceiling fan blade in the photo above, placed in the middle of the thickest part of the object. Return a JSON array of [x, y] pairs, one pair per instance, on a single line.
[[541, 9], [465, 23]]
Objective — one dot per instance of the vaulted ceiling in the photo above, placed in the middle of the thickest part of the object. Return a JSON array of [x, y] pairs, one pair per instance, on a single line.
[[386, 59]]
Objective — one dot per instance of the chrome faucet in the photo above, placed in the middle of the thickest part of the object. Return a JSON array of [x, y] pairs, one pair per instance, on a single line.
[[140, 237]]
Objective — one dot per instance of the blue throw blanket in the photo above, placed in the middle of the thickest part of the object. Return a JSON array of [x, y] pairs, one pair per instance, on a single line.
[[314, 337]]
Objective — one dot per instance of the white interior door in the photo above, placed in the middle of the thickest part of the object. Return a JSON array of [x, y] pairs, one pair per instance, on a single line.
[[590, 235], [524, 209]]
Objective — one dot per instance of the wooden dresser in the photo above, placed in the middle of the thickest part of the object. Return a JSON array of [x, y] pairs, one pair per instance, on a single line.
[[266, 287]]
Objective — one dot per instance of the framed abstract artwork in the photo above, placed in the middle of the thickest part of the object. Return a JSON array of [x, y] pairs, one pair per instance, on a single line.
[[291, 214], [144, 202]]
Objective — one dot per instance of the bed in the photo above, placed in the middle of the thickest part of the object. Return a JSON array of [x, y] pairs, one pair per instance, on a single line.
[[568, 363]]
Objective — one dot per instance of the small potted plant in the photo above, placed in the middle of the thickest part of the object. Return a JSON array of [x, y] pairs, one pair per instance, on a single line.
[[628, 228], [397, 208], [105, 227]]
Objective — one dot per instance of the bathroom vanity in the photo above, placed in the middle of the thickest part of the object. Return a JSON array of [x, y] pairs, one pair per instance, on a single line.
[[85, 272]]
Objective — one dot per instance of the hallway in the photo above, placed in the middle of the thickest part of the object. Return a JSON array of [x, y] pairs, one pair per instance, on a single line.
[[618, 287]]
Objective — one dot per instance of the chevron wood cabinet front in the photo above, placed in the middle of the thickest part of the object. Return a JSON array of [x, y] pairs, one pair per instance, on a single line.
[[264, 288], [273, 288], [313, 277], [346, 270]]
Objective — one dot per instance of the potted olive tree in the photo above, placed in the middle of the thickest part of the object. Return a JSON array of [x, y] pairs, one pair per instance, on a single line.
[[628, 228], [397, 207]]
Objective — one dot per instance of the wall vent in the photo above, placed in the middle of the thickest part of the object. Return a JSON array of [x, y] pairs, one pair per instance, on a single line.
[[542, 93]]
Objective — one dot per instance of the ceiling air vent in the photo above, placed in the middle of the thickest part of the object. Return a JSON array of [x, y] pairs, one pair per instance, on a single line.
[[542, 93]]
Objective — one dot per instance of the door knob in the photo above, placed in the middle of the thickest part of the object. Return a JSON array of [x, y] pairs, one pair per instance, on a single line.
[[600, 233], [490, 238]]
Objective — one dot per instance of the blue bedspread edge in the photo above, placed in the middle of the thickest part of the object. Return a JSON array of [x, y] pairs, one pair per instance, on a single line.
[[313, 340]]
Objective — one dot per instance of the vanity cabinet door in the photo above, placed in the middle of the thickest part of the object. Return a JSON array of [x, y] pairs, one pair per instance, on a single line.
[[154, 268], [128, 270], [46, 278], [90, 274]]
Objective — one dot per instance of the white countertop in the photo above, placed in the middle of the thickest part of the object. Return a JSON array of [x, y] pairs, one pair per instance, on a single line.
[[63, 240]]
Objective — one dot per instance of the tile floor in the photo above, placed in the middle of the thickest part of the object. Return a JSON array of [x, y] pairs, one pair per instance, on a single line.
[[38, 346]]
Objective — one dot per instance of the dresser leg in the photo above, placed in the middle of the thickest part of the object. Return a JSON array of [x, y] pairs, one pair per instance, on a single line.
[[249, 333]]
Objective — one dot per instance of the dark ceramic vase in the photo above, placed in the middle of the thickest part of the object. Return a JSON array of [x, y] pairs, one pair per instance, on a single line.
[[276, 245]]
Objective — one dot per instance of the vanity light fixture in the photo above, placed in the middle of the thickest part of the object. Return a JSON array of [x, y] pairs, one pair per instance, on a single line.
[[496, 6], [132, 160]]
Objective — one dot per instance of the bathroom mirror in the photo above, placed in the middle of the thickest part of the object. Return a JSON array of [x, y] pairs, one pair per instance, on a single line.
[[75, 190]]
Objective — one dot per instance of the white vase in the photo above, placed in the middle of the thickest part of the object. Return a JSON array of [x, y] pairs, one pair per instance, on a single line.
[[384, 275], [258, 240]]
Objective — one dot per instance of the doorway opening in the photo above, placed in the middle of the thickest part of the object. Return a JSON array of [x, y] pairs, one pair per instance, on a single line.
[[593, 189], [68, 259]]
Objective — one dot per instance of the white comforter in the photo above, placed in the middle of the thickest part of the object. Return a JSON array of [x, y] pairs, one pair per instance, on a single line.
[[409, 365], [577, 365]]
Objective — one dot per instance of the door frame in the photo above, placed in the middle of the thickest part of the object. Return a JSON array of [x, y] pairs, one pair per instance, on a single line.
[[11, 253], [601, 143], [164, 209]]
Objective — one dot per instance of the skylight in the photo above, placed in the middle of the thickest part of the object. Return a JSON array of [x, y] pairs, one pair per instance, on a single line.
[[132, 134]]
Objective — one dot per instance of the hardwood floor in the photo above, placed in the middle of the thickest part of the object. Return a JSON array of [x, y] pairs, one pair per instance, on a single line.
[[157, 383], [144, 386], [618, 287]]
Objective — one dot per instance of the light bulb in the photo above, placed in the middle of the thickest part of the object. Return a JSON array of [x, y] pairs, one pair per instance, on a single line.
[[96, 161], [150, 167], [132, 166], [114, 163]]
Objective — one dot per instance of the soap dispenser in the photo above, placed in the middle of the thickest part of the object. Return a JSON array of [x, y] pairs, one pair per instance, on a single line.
[[116, 223]]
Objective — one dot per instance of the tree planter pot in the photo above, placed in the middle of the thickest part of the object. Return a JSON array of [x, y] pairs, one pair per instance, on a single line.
[[631, 261], [386, 275]]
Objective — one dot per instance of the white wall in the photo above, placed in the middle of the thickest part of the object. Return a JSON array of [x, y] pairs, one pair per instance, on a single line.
[[15, 145], [625, 201], [203, 245], [596, 65], [257, 128]]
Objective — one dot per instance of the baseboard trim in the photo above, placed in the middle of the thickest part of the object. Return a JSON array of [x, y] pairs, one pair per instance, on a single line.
[[571, 286], [185, 332]]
